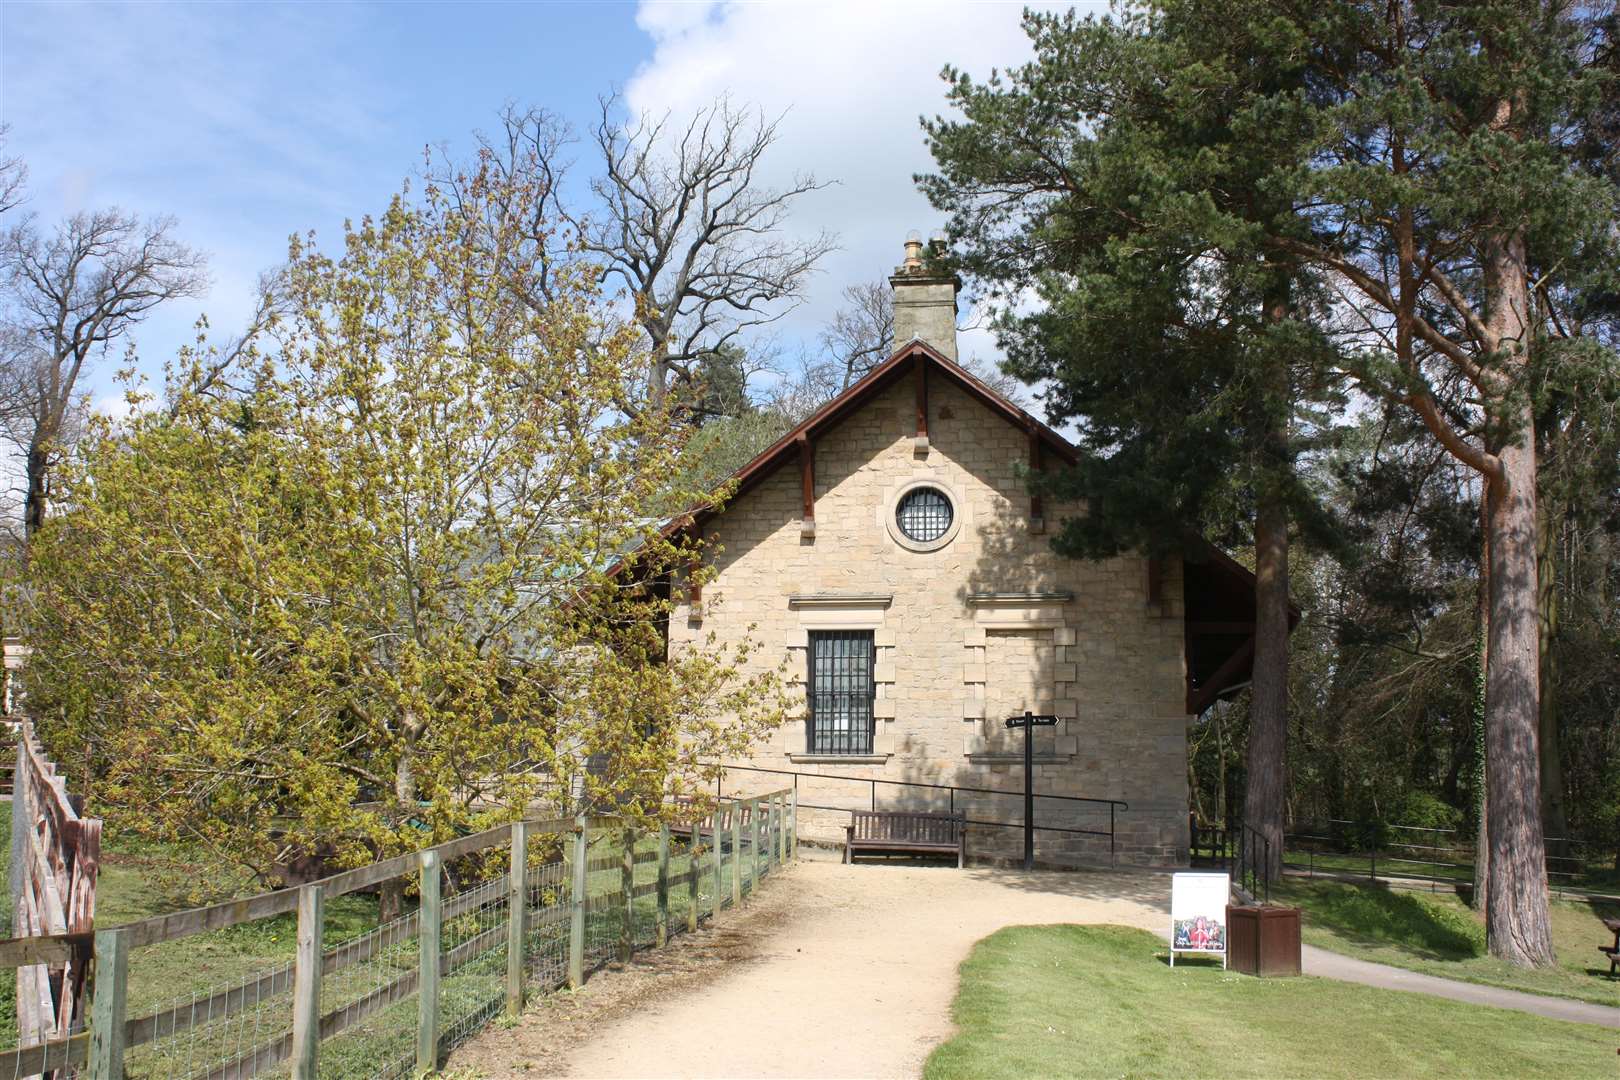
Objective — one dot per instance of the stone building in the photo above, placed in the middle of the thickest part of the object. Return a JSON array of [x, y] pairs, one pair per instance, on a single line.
[[889, 550]]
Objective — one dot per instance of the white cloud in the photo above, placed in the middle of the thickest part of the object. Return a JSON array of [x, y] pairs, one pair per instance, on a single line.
[[853, 80]]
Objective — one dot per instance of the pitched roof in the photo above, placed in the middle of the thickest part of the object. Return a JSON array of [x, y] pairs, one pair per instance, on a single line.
[[1223, 586], [903, 361]]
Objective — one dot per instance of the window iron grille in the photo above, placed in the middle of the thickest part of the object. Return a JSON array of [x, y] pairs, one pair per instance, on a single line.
[[842, 687], [924, 514]]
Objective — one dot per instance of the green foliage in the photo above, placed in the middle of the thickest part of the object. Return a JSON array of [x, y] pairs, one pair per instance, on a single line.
[[1422, 810], [725, 444], [1138, 192], [1187, 351], [373, 597], [1141, 1019], [722, 386]]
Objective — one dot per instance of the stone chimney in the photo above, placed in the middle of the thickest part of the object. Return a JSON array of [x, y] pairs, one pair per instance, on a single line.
[[925, 297]]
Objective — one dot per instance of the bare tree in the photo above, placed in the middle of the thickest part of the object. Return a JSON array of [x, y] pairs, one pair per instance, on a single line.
[[862, 331], [861, 336], [696, 240], [680, 218], [72, 296], [13, 175]]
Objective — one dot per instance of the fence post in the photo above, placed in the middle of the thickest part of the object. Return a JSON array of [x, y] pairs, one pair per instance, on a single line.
[[576, 913], [719, 860], [19, 833], [793, 820], [517, 922], [781, 828], [107, 1007], [772, 829], [762, 832], [757, 812], [627, 881], [661, 924], [306, 1042], [429, 924], [736, 852], [778, 830], [694, 865]]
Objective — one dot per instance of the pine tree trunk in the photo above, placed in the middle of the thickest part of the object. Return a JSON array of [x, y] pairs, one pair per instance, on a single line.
[[1482, 623], [1516, 893], [1517, 919], [1552, 768], [1264, 797], [1268, 710]]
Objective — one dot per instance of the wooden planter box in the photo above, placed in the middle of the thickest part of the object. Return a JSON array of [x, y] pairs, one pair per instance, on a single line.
[[1262, 940]]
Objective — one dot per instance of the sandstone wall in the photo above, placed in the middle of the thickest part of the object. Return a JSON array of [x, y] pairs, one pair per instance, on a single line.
[[992, 622]]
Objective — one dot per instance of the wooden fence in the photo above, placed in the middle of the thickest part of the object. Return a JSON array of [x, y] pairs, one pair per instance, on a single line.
[[556, 913], [55, 856]]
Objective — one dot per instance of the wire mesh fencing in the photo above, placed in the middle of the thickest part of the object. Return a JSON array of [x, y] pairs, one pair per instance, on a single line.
[[222, 1030], [499, 916]]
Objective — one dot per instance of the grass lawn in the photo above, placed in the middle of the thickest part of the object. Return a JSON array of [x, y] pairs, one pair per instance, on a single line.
[[1437, 934], [1082, 1001]]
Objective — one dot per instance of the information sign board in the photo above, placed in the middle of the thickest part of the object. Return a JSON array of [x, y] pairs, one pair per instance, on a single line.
[[1198, 914]]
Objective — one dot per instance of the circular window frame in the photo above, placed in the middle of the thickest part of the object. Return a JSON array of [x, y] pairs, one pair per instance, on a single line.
[[891, 516]]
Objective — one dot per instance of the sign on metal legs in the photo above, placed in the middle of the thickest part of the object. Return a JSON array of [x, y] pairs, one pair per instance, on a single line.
[[1198, 914], [1029, 722]]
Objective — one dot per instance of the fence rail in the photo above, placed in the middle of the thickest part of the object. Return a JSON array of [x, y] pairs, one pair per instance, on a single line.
[[55, 859], [1380, 851], [1433, 856], [571, 895]]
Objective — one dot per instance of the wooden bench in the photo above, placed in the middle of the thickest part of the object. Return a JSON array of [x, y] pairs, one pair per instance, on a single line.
[[906, 832], [1612, 951]]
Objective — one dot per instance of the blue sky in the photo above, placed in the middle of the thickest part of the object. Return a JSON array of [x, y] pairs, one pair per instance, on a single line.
[[251, 121]]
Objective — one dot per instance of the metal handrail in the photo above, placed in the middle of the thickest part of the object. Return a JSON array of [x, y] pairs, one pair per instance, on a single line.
[[1254, 867], [1114, 805]]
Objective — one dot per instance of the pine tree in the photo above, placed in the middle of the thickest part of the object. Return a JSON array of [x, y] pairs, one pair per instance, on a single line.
[[1444, 171], [1187, 350]]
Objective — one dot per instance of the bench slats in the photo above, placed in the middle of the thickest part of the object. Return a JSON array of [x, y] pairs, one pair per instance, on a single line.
[[916, 831]]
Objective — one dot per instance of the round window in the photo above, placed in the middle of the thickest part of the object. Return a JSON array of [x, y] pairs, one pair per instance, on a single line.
[[924, 514]]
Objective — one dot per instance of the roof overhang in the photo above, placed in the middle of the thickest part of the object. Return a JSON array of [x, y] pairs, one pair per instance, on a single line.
[[1218, 590]]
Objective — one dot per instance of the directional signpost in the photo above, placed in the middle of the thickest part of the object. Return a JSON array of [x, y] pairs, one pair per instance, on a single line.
[[1029, 722]]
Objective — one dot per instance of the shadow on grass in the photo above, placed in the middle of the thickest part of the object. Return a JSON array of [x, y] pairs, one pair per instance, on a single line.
[[1189, 961], [1372, 915]]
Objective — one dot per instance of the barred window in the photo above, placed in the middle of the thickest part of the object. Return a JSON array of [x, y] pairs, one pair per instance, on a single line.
[[924, 514], [842, 687]]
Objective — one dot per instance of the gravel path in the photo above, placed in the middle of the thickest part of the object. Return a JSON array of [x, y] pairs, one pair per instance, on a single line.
[[844, 972], [836, 971]]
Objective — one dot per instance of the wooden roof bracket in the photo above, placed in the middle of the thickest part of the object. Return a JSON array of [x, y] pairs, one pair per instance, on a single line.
[[919, 378], [1037, 515], [694, 589], [807, 486], [1202, 698]]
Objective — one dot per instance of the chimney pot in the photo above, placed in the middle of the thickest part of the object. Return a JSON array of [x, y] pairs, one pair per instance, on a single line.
[[914, 247]]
